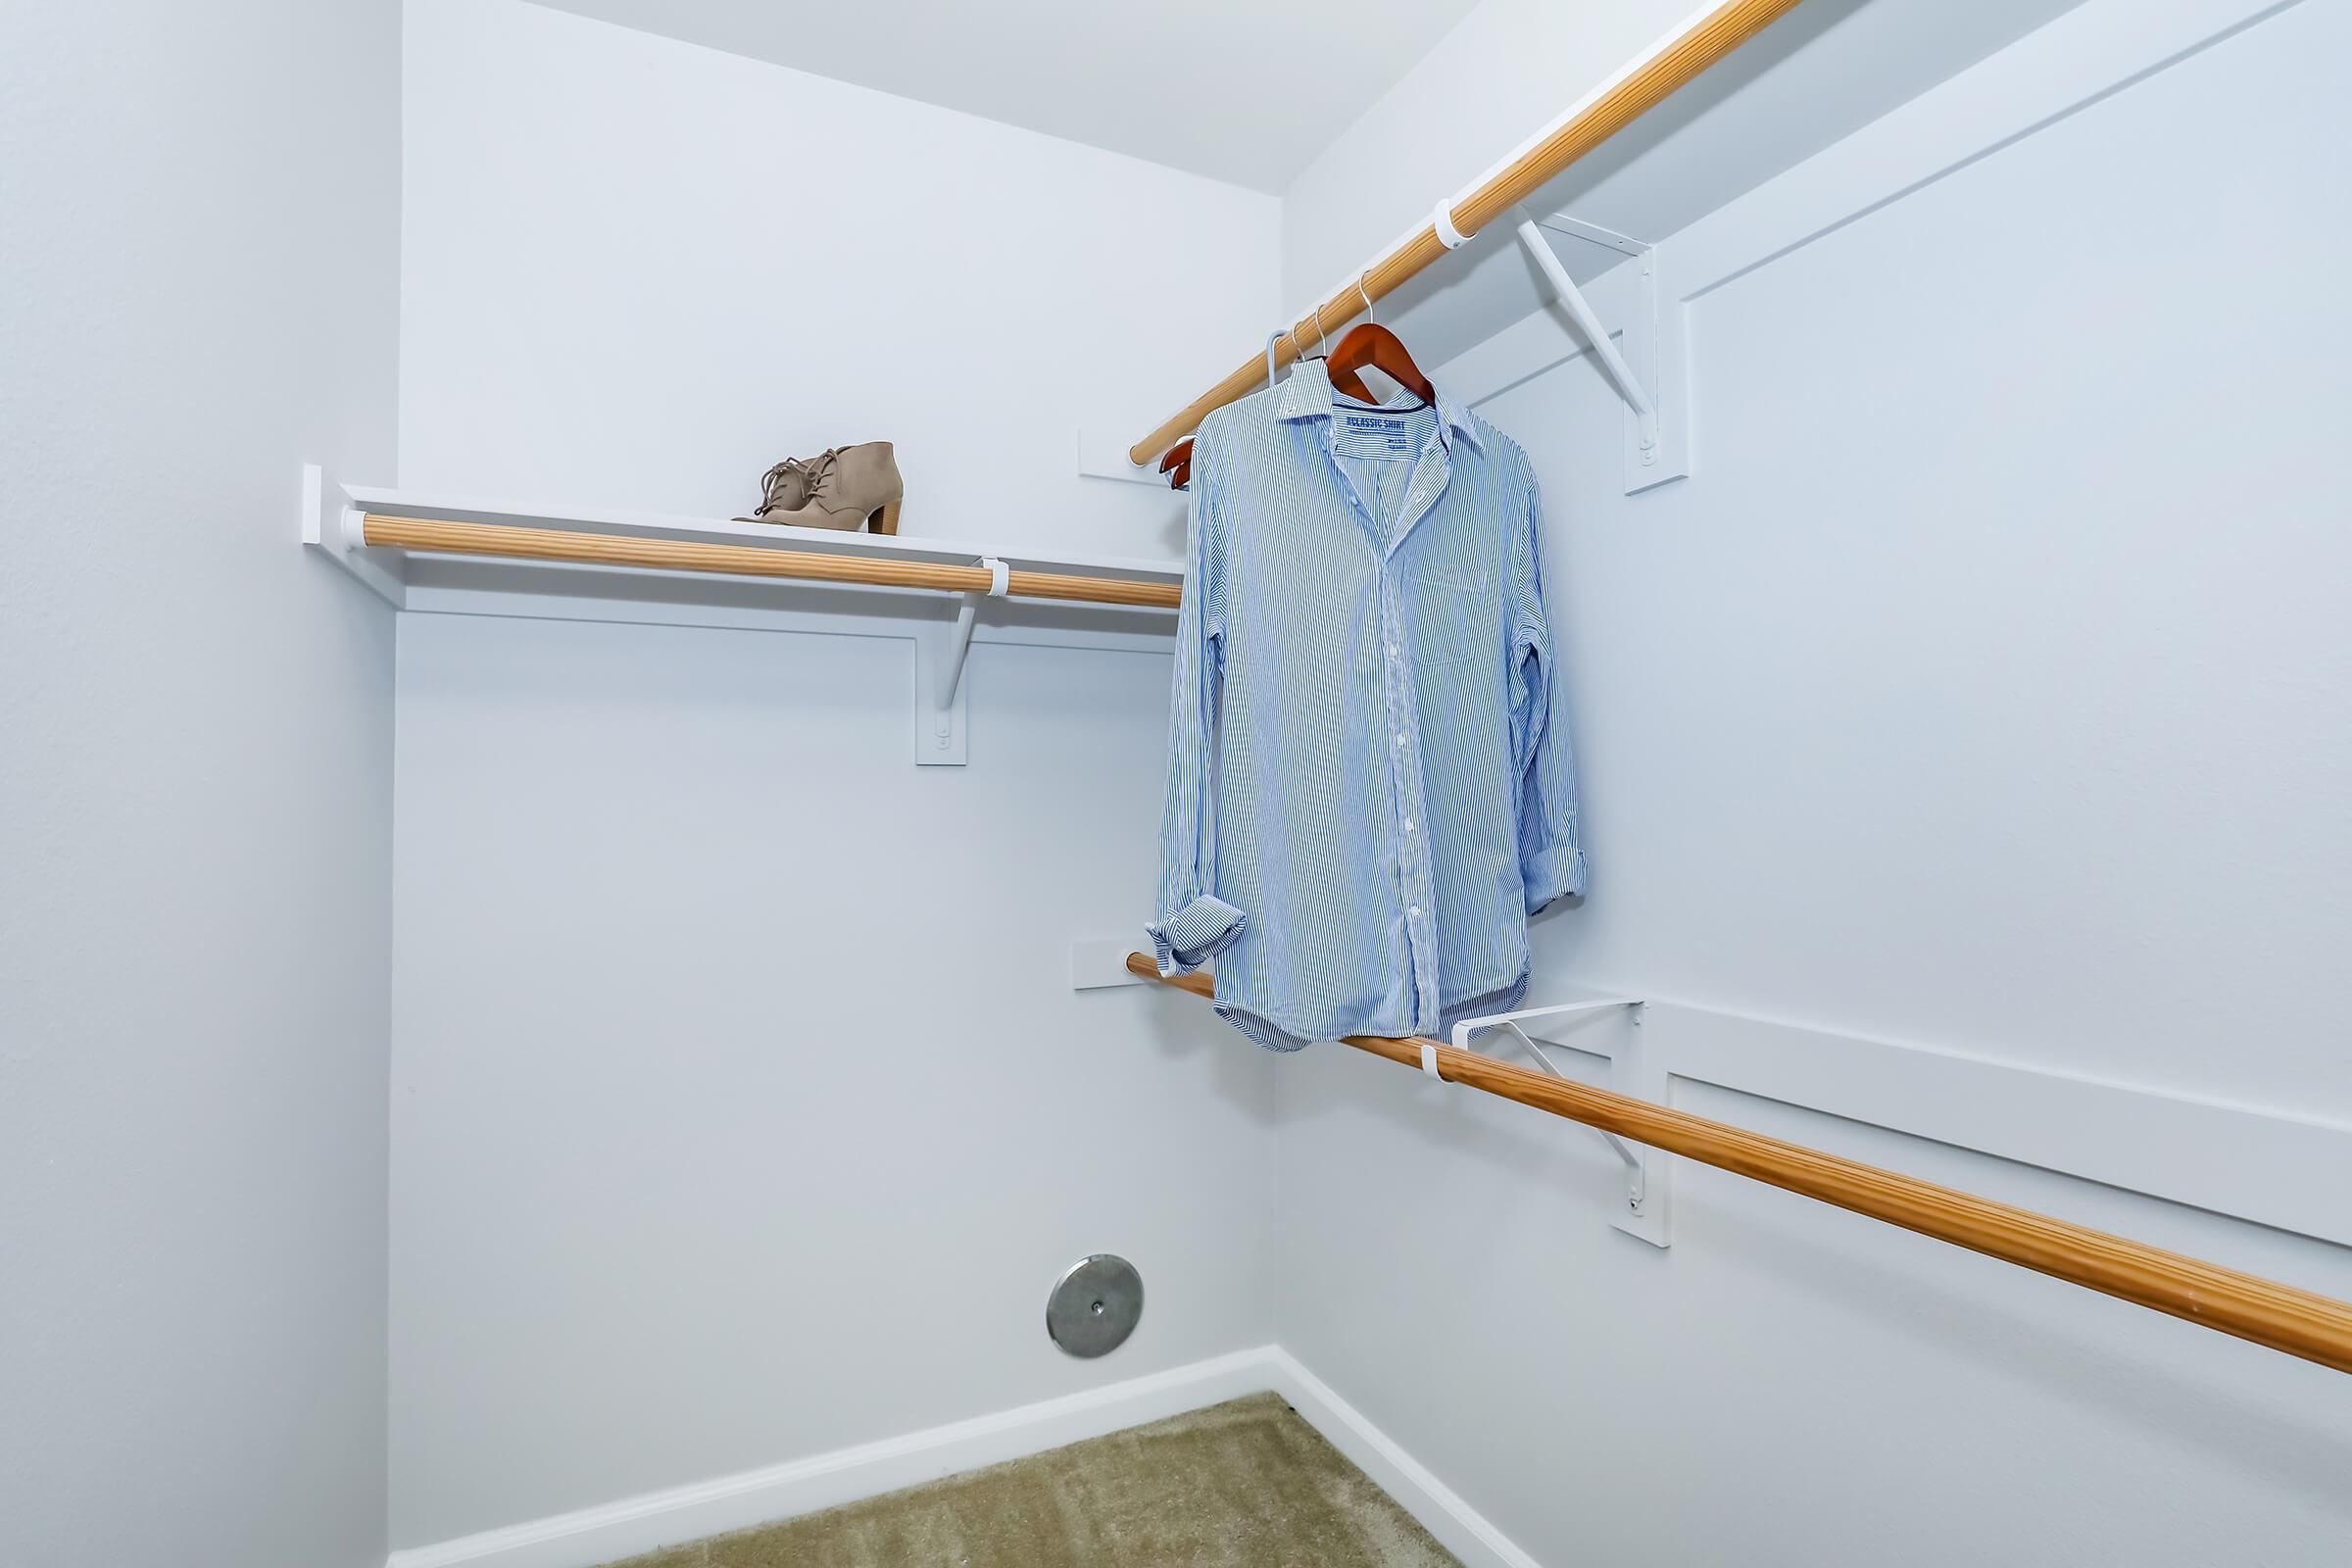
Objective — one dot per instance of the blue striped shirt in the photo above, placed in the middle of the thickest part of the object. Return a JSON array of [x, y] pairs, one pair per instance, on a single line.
[[1369, 781]]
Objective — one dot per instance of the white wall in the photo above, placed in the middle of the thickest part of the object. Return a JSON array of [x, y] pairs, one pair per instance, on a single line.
[[743, 1109], [1503, 73], [637, 272], [1982, 689], [200, 295], [1976, 692]]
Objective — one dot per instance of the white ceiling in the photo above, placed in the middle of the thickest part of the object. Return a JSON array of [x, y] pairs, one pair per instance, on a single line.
[[1240, 90]]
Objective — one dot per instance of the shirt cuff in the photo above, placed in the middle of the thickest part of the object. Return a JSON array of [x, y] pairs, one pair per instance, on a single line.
[[1553, 875], [1196, 934]]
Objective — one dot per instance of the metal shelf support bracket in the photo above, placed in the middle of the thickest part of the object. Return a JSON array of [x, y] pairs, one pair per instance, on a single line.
[[1645, 1211], [1647, 370], [941, 702]]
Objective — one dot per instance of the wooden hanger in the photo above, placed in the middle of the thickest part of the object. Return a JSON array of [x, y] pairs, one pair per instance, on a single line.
[[1347, 384], [1369, 343]]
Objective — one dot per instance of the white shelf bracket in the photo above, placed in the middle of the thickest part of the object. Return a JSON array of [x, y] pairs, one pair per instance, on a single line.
[[1645, 1212], [1647, 370], [941, 702]]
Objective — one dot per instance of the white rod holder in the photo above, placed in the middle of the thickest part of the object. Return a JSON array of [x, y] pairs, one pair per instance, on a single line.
[[331, 525]]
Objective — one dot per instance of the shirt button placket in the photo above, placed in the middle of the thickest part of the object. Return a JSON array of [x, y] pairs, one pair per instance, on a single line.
[[1400, 770], [1412, 854]]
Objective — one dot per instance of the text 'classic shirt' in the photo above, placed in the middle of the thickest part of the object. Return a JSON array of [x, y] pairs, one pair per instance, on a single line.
[[1369, 786]]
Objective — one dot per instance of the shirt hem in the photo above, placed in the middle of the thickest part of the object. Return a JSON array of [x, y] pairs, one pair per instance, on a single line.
[[1272, 1036]]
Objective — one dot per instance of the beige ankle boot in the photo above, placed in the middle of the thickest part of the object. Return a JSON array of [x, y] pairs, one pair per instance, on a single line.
[[846, 488]]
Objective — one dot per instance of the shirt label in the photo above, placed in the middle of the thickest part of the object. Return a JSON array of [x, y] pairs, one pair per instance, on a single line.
[[1377, 435]]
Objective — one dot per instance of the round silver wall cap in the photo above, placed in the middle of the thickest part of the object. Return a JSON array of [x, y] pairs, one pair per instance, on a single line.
[[1095, 1305]]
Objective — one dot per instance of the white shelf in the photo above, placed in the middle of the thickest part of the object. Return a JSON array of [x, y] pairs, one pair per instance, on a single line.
[[942, 625], [757, 535], [423, 581]]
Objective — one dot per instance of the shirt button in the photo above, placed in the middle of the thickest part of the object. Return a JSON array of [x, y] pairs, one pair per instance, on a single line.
[[1400, 737], [1408, 824], [1415, 911]]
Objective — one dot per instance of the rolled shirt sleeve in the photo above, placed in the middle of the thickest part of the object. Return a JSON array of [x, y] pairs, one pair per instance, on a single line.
[[1552, 865], [1196, 934], [1194, 924]]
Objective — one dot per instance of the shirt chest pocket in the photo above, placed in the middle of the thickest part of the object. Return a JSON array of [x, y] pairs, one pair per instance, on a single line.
[[1449, 615]]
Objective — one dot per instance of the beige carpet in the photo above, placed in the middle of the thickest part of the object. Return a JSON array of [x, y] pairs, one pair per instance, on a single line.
[[1243, 1485]]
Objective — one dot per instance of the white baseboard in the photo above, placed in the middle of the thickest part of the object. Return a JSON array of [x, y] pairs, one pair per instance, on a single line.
[[653, 1519], [1460, 1528]]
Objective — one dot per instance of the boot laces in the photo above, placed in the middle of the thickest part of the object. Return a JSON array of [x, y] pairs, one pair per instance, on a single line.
[[820, 466], [771, 484], [811, 472]]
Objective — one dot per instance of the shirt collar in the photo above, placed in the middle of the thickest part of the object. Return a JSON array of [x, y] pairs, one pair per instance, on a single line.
[[1308, 395]]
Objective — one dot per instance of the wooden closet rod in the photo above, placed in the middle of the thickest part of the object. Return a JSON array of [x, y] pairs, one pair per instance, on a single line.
[[1641, 87], [2301, 1323], [438, 537]]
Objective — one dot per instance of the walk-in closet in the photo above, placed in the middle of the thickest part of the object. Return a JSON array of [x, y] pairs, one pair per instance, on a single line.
[[1292, 785]]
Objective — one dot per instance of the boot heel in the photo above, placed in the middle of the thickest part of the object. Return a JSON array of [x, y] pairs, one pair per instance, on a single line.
[[885, 518]]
